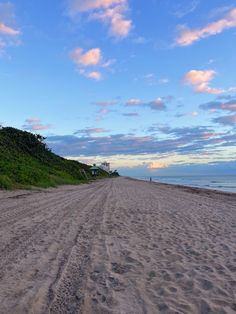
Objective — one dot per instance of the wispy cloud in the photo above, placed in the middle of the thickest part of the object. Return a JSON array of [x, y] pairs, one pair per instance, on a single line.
[[106, 103], [220, 105], [9, 34], [111, 12], [134, 102], [95, 75], [105, 108], [140, 40], [152, 80], [155, 104], [35, 124], [163, 81], [200, 81], [6, 30], [188, 36], [180, 141], [185, 8], [226, 120], [130, 114], [90, 131]]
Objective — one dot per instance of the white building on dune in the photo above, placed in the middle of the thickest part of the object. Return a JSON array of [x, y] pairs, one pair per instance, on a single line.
[[105, 166]]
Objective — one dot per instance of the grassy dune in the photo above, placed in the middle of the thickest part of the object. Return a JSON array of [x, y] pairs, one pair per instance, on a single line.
[[26, 161]]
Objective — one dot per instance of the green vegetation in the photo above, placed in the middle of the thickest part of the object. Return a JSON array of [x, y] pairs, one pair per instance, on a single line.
[[26, 161]]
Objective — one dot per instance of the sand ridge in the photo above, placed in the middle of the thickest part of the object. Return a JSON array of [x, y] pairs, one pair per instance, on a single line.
[[118, 246]]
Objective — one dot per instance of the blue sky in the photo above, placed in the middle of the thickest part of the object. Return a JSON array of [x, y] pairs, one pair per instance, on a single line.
[[149, 87]]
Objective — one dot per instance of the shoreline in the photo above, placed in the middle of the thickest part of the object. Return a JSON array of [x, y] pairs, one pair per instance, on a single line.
[[185, 186]]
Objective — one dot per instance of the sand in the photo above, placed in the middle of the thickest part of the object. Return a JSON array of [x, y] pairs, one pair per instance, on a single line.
[[118, 246]]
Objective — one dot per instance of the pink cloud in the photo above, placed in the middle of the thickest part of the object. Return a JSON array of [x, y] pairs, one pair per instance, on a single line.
[[207, 135], [87, 5], [134, 102], [35, 124], [155, 104], [200, 80], [32, 120], [6, 30], [89, 131], [189, 36], [106, 103], [10, 36], [226, 120], [119, 25], [111, 12], [157, 165], [90, 58], [230, 107], [94, 75]]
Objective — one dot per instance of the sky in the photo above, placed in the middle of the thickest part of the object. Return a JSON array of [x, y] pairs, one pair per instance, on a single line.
[[149, 86]]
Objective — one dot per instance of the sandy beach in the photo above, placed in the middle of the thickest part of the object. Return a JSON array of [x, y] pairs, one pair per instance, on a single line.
[[117, 246]]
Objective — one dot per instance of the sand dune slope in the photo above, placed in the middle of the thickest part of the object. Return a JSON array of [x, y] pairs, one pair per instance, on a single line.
[[117, 246]]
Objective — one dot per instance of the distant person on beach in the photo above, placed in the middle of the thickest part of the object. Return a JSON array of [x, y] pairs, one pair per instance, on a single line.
[[150, 179]]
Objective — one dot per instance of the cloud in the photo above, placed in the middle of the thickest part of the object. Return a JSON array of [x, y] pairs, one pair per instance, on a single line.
[[187, 133], [155, 104], [180, 141], [106, 103], [200, 80], [226, 120], [110, 12], [90, 131], [152, 80], [157, 165], [232, 89], [102, 112], [134, 102], [9, 34], [185, 168], [104, 108], [87, 5], [35, 124], [185, 8], [189, 36], [95, 75], [219, 105], [130, 114], [6, 30], [163, 81], [90, 58], [140, 40]]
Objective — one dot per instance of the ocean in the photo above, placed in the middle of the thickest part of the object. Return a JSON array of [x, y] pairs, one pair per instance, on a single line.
[[221, 183]]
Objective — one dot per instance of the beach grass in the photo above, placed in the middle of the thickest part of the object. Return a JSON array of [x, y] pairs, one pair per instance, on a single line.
[[26, 161]]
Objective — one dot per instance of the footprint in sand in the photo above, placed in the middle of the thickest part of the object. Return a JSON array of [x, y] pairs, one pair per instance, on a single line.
[[206, 284], [119, 268]]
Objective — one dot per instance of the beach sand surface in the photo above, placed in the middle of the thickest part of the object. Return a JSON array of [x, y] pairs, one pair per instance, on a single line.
[[117, 246]]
